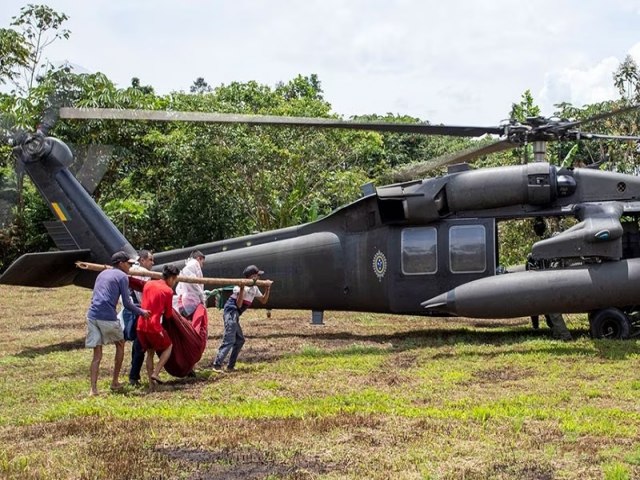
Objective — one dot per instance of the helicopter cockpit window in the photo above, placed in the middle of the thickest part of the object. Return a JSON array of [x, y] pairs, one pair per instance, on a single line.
[[419, 250], [467, 249]]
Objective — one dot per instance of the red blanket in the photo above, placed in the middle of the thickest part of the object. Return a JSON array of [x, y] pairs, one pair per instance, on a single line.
[[189, 341]]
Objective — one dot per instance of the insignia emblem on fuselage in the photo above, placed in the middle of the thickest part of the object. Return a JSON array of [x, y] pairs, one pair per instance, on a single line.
[[379, 264]]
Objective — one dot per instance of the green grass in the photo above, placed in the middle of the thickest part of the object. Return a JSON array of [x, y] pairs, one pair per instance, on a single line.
[[365, 396]]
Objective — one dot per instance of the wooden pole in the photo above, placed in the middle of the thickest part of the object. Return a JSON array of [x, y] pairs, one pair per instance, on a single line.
[[141, 272]]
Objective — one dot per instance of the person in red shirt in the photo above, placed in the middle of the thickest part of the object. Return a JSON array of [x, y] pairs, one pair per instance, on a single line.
[[157, 297]]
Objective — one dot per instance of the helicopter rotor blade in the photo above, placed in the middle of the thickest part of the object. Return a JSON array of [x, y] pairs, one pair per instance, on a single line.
[[419, 170], [600, 136], [602, 116], [209, 117]]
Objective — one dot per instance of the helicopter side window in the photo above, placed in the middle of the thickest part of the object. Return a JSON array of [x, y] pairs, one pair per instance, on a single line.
[[467, 249], [419, 250]]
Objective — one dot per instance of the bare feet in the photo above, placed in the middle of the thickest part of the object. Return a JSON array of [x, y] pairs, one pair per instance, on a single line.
[[93, 393], [117, 386]]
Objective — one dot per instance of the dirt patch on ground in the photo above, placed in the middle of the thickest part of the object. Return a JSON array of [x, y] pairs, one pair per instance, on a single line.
[[246, 463], [497, 375], [75, 427], [528, 470], [403, 360]]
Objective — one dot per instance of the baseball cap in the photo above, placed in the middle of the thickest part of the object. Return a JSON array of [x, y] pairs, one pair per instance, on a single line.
[[121, 256], [252, 270]]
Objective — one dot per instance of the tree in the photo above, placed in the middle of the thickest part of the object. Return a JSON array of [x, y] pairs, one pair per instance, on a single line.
[[525, 108], [200, 86], [37, 27], [14, 54], [627, 80], [22, 48], [520, 112], [301, 87], [146, 89]]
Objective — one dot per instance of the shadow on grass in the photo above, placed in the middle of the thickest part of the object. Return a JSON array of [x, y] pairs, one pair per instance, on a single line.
[[434, 338], [32, 352], [616, 349], [49, 326]]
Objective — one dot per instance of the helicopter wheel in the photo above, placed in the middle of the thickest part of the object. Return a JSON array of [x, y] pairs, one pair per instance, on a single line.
[[609, 323]]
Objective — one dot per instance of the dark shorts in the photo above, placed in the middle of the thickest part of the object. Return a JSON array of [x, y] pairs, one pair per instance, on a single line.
[[158, 341]]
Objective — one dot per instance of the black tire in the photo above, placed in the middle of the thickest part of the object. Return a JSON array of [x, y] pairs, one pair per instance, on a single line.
[[609, 323]]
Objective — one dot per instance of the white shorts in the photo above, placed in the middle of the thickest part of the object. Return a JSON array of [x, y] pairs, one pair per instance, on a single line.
[[102, 332]]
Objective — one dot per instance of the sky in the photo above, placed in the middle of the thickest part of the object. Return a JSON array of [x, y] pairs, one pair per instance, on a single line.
[[459, 62]]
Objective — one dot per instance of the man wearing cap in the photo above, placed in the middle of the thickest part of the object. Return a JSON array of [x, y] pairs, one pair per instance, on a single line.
[[238, 302], [103, 326]]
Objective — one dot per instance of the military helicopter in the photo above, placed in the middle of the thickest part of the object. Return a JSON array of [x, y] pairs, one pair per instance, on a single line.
[[420, 247]]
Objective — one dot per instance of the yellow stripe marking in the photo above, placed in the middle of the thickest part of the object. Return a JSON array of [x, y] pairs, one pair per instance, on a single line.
[[59, 212]]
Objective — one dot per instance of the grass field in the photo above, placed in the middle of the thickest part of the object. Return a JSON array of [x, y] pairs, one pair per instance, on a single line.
[[365, 396]]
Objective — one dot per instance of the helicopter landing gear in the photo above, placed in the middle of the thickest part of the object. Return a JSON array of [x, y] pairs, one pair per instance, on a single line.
[[535, 321], [634, 322], [317, 317], [610, 323], [547, 320]]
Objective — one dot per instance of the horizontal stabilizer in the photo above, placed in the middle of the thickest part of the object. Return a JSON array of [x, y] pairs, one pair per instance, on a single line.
[[48, 269]]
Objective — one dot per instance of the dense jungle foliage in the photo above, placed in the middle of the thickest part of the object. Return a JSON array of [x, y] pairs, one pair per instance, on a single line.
[[176, 184]]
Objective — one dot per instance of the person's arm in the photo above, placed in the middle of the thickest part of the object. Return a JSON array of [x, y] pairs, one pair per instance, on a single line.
[[123, 285], [199, 287], [199, 290], [240, 297], [168, 308], [136, 283], [264, 298]]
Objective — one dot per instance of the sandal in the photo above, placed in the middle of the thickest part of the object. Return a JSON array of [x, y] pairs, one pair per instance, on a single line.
[[157, 380]]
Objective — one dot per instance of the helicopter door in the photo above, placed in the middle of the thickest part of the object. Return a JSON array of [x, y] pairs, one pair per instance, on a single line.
[[437, 258]]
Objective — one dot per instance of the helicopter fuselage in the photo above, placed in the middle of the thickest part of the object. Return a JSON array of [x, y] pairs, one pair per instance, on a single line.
[[389, 251]]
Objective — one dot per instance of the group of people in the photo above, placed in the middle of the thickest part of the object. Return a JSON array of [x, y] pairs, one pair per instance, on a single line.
[[148, 305]]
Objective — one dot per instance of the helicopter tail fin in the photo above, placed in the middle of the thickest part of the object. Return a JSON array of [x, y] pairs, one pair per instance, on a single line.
[[81, 231]]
